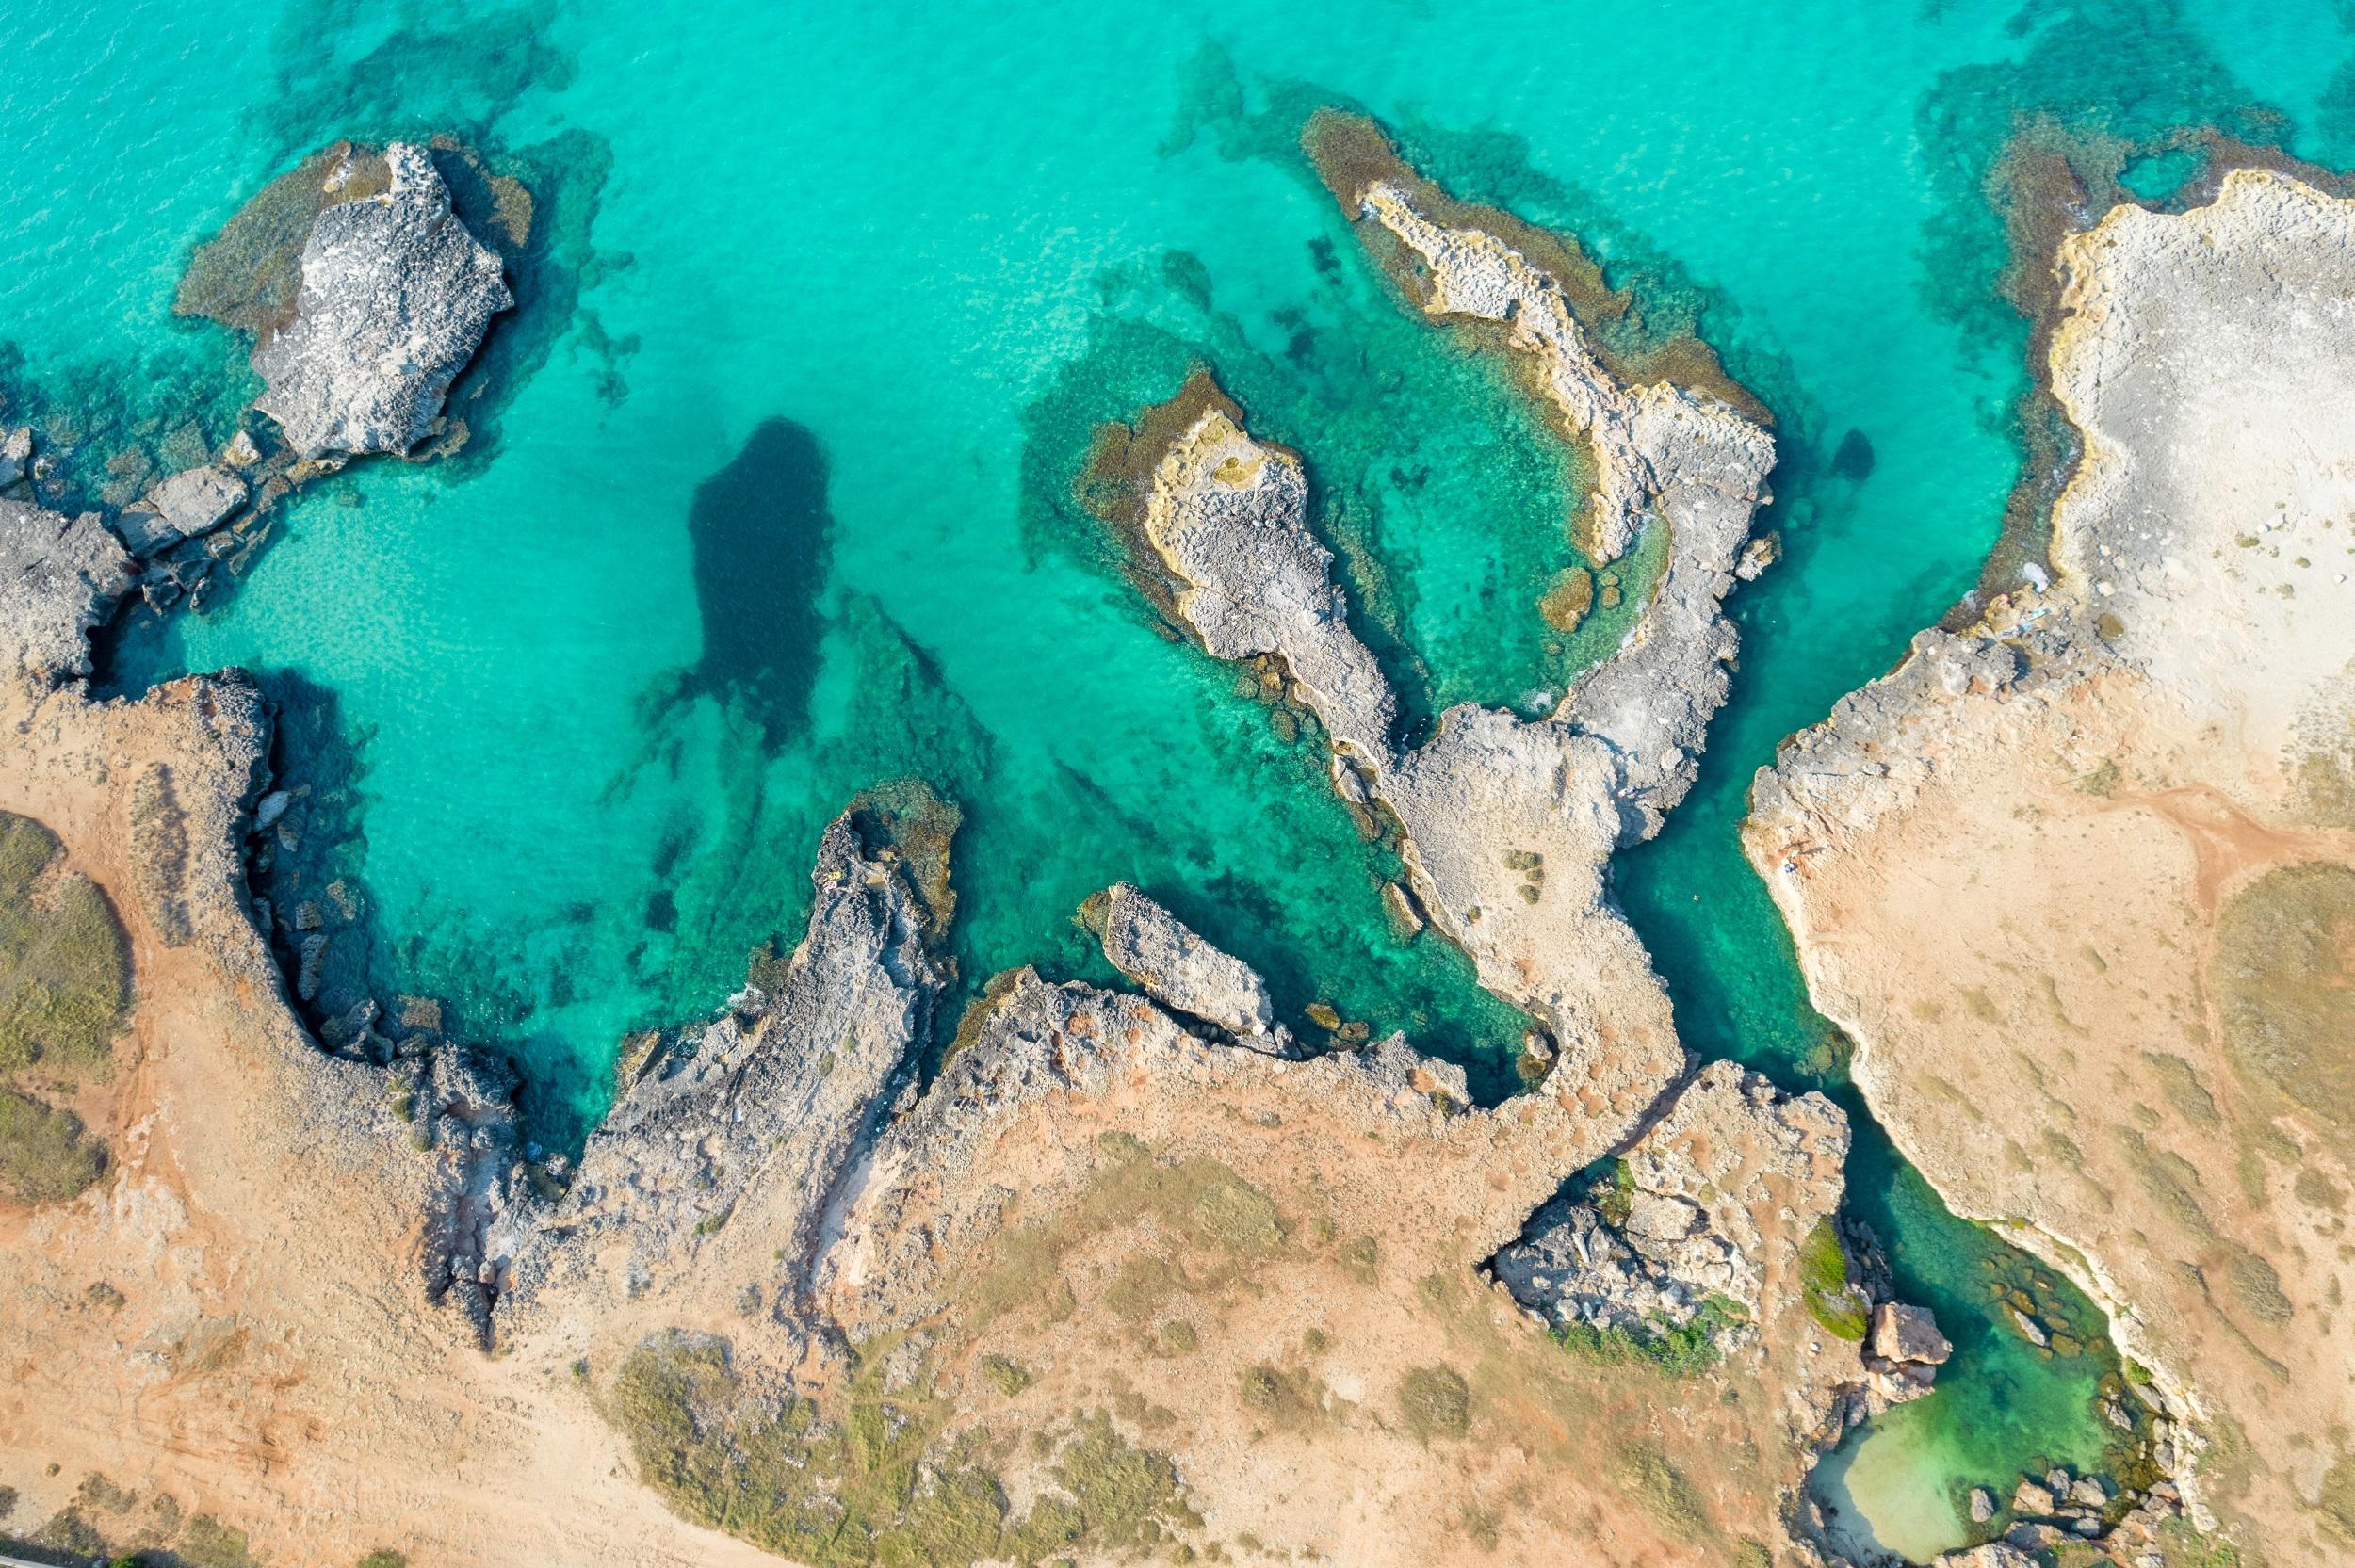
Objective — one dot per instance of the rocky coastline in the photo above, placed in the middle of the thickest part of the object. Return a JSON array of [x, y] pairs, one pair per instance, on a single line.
[[2126, 760], [1133, 1274]]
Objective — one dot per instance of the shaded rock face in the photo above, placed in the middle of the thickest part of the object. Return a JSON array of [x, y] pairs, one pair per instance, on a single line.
[[1179, 969], [59, 577], [1903, 1333], [1734, 1168], [395, 297], [763, 538], [16, 455]]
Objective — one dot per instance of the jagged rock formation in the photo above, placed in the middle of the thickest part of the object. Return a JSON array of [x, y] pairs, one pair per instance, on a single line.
[[190, 503], [753, 1119], [1179, 970], [2074, 877], [1717, 1192], [59, 577], [396, 295]]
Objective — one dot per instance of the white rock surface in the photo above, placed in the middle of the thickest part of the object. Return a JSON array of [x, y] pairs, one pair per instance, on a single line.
[[395, 297]]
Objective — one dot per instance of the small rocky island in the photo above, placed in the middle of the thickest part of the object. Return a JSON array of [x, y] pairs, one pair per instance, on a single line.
[[1135, 1274]]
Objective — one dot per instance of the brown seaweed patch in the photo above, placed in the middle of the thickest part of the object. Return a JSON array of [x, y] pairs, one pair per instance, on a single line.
[[1568, 601], [249, 275], [1352, 152], [1116, 480], [915, 822]]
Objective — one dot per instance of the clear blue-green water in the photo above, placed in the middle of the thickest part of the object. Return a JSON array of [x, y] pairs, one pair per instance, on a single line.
[[771, 498]]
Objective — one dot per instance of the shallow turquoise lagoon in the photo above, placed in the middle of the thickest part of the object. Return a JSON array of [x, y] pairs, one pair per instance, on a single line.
[[772, 495]]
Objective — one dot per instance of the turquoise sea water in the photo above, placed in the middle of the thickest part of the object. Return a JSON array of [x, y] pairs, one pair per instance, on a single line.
[[774, 495]]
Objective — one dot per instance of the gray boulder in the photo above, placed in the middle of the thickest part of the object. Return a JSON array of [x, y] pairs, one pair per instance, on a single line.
[[395, 297], [59, 577], [16, 455]]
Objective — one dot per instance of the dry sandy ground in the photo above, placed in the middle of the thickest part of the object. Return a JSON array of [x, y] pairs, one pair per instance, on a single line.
[[2046, 875]]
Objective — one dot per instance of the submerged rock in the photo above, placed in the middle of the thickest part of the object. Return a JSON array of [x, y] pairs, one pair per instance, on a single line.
[[395, 297], [1179, 969], [59, 577]]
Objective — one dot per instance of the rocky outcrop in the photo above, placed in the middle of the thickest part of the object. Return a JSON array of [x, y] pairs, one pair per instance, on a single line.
[[1508, 825], [1179, 970], [2065, 875], [190, 503], [764, 1108], [396, 295], [59, 577], [1722, 1189]]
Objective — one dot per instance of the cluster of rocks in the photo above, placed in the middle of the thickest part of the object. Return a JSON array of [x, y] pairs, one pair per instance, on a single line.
[[394, 297], [1685, 1217], [1902, 1352], [2048, 1511]]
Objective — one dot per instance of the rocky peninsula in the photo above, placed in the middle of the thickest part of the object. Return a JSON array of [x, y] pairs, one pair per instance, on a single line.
[[2078, 877]]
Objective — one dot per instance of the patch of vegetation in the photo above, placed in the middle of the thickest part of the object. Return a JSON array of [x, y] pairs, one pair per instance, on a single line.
[[1831, 1300], [64, 970], [2336, 1502], [1179, 1338], [44, 1157], [210, 1544], [1434, 1402], [1661, 1490], [877, 1480], [1613, 1193], [384, 1557], [2283, 975], [2169, 1178], [1007, 1375], [1679, 1349], [2180, 1083], [2258, 1286], [2102, 781], [1362, 1258]]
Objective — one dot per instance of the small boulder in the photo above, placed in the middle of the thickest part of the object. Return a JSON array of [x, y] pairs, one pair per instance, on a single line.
[[192, 502], [1179, 969], [2089, 1492], [1905, 1332], [2030, 1330], [2033, 1497], [1982, 1505]]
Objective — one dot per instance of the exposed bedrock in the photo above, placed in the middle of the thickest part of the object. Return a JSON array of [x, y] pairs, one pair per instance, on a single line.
[[753, 1119], [2073, 877], [395, 294], [60, 578]]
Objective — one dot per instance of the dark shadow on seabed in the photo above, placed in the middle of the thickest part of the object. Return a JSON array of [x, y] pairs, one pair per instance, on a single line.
[[763, 541]]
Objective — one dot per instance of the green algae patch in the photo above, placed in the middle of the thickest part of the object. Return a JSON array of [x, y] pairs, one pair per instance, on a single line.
[[880, 1480], [2284, 976], [1831, 1300]]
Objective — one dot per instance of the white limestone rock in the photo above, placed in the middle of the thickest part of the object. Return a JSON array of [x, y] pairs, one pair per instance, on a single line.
[[1179, 969], [395, 297]]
